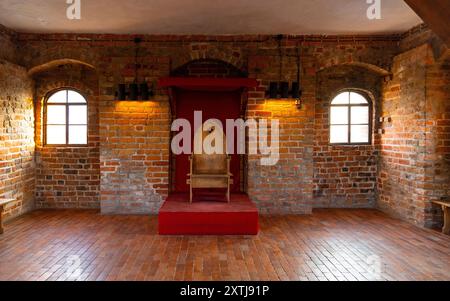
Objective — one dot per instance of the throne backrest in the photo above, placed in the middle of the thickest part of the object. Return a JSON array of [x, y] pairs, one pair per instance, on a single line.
[[211, 163]]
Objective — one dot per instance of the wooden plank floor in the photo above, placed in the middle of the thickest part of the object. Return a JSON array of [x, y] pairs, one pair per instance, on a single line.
[[328, 245]]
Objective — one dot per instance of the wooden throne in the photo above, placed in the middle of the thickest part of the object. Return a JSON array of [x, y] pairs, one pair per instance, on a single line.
[[210, 171]]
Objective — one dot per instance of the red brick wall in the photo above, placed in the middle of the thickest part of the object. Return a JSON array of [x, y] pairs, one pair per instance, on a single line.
[[134, 155], [344, 176], [287, 186], [437, 175], [413, 169], [134, 144], [68, 177], [207, 68], [401, 181], [17, 168], [134, 140]]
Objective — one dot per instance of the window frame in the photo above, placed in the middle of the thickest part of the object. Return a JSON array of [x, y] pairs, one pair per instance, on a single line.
[[67, 105], [349, 118]]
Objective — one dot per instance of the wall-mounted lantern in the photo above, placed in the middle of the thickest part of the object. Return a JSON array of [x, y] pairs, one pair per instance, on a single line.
[[134, 91], [280, 89]]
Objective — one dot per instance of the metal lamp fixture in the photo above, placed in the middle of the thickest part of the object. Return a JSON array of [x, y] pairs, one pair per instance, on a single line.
[[296, 92], [280, 89], [134, 91], [273, 90], [284, 89], [296, 87]]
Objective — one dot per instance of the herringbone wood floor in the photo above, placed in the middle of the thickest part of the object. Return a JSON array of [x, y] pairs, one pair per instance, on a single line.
[[328, 245]]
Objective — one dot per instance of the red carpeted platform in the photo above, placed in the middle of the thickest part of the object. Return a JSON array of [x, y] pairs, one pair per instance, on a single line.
[[208, 215]]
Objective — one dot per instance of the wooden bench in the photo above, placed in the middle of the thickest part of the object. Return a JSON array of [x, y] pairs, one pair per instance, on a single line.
[[446, 209], [3, 203]]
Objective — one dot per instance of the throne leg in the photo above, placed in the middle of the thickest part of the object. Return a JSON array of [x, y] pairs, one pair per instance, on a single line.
[[190, 193]]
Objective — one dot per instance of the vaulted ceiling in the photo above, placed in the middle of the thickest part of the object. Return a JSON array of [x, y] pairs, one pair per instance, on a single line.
[[208, 16]]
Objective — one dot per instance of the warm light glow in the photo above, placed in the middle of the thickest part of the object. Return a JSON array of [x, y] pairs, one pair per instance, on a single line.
[[122, 104], [274, 103]]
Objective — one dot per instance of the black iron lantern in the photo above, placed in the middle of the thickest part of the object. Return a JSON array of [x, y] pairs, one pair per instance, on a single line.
[[284, 89], [273, 90], [121, 91], [296, 92], [134, 92], [280, 89], [144, 91]]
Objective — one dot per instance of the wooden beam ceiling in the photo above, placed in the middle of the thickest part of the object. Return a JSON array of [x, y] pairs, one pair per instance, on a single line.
[[436, 14]]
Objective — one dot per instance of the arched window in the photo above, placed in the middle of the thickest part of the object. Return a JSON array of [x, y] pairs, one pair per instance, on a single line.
[[350, 116], [65, 118]]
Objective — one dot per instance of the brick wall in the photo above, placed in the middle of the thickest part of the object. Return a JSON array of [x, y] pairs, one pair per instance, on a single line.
[[437, 169], [17, 168], [68, 177], [134, 137], [134, 155], [287, 186], [134, 140], [401, 174], [410, 155], [207, 68], [413, 166], [344, 176]]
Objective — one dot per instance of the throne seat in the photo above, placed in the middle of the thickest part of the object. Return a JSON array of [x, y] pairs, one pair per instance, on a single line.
[[209, 171]]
